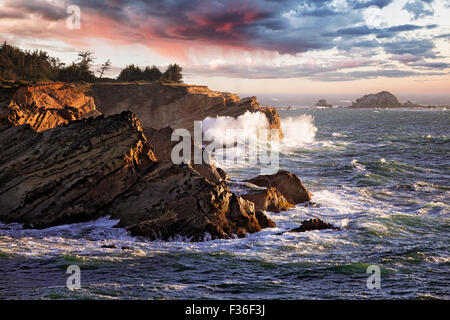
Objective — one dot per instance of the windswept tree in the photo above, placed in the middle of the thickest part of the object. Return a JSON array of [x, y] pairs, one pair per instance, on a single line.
[[104, 67], [173, 74], [86, 58], [78, 71]]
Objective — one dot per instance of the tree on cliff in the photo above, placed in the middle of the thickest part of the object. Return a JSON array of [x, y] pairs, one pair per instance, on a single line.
[[134, 73], [105, 67], [78, 71], [152, 74], [130, 73], [17, 64], [173, 74]]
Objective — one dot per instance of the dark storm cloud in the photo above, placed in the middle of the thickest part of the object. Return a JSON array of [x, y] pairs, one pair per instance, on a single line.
[[289, 26], [39, 7], [284, 26]]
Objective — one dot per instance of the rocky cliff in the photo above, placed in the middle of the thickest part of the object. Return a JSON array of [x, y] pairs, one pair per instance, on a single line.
[[93, 167], [174, 105], [155, 104], [46, 106]]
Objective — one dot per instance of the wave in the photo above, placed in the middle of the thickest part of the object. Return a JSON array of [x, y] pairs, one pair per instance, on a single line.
[[298, 131], [226, 129]]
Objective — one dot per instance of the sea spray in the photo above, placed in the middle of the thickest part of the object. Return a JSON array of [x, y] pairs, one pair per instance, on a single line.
[[299, 130], [243, 141], [248, 125]]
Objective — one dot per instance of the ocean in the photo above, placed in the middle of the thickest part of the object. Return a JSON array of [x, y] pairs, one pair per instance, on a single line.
[[381, 176]]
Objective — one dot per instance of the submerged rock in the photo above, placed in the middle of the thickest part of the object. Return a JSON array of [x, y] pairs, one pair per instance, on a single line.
[[288, 184], [381, 99], [269, 200], [313, 224]]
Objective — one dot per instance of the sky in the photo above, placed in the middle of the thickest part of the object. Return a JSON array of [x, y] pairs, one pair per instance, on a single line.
[[252, 46]]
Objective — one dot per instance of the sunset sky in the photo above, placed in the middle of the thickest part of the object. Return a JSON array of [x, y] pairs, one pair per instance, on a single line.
[[258, 46]]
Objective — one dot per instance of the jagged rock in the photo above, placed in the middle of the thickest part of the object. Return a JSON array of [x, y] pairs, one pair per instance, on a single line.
[[323, 103], [268, 200], [264, 221], [160, 105], [313, 224], [163, 145], [173, 200], [70, 173], [46, 106], [288, 184], [381, 99], [106, 166]]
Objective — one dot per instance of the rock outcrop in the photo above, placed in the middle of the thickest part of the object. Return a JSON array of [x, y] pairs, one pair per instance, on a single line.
[[160, 105], [172, 201], [163, 145], [157, 105], [107, 166], [381, 99], [288, 184], [46, 106], [323, 103], [70, 173], [268, 200], [313, 224]]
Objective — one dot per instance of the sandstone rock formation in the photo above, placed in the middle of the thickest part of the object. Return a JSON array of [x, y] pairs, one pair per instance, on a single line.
[[174, 200], [46, 106], [157, 105], [174, 105], [313, 224], [288, 184], [70, 173], [163, 145], [323, 103], [268, 200], [90, 168], [381, 99]]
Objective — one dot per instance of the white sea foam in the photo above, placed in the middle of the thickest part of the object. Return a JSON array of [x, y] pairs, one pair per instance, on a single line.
[[298, 131], [224, 129]]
